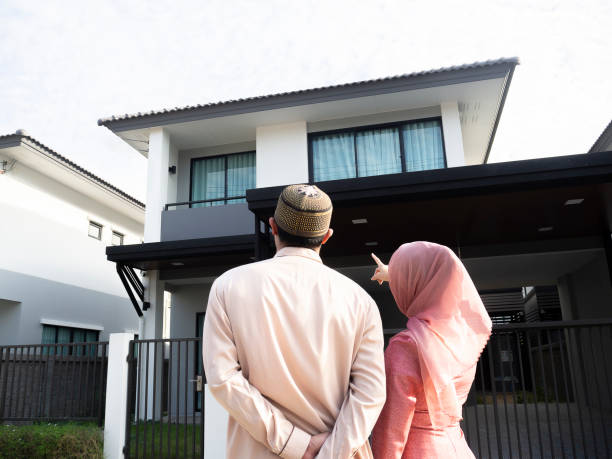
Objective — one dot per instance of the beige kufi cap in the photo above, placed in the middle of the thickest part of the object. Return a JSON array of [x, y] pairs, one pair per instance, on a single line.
[[304, 211]]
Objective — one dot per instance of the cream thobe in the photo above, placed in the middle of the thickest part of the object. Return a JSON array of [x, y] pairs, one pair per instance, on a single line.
[[292, 348]]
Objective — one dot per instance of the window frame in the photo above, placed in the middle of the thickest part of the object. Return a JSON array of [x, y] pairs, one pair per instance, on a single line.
[[97, 225], [370, 127], [120, 235], [225, 156]]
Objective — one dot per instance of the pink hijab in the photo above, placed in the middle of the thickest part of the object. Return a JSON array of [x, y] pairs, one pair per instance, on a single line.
[[446, 319]]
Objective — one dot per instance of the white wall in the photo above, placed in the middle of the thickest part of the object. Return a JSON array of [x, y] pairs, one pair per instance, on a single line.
[[50, 265], [282, 154]]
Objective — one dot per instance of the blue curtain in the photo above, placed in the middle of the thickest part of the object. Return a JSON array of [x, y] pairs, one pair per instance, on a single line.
[[333, 157], [240, 175], [423, 146], [208, 181], [48, 337], [378, 152]]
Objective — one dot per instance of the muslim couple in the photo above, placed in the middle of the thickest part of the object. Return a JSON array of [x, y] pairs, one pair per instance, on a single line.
[[293, 350]]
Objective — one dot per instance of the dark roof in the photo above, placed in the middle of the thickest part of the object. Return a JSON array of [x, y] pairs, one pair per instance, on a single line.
[[9, 140], [603, 140], [428, 78]]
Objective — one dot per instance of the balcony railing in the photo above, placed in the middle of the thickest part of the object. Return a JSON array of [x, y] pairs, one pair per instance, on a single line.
[[224, 201]]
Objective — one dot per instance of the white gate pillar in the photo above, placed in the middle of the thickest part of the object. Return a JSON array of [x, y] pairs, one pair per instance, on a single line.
[[116, 395]]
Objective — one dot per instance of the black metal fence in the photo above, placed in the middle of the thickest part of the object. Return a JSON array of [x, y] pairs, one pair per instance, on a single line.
[[53, 382], [542, 390], [165, 399]]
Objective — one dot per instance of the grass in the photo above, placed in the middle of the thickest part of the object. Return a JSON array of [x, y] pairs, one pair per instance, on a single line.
[[154, 437], [51, 441]]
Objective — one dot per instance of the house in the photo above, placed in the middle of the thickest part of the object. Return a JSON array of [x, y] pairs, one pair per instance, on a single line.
[[604, 141], [56, 219], [403, 158]]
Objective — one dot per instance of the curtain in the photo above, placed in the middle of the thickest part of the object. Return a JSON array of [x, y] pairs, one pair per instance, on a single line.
[[78, 336], [378, 152], [48, 337], [423, 146], [240, 175], [63, 336], [333, 157], [208, 181]]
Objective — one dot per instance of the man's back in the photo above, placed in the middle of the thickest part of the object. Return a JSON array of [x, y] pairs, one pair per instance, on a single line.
[[294, 348]]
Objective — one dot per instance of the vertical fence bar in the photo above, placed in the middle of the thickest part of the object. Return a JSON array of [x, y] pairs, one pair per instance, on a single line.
[[81, 357], [566, 377], [169, 379], [195, 396], [32, 386], [535, 395], [146, 403], [513, 390], [584, 386], [88, 392], [478, 441], [486, 411], [525, 401], [52, 372], [186, 394], [154, 396], [4, 367], [18, 384], [138, 397], [202, 403], [597, 391], [103, 390], [178, 401], [500, 450], [545, 384], [72, 350], [605, 363], [555, 387], [94, 380], [503, 380]]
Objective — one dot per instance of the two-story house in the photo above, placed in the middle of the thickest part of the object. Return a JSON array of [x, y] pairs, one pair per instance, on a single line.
[[403, 158], [56, 220]]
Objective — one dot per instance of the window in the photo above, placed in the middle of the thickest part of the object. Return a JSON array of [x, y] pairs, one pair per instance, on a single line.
[[390, 149], [221, 180], [117, 238], [95, 230], [53, 334]]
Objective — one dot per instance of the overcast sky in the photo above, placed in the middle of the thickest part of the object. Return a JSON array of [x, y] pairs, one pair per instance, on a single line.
[[65, 64]]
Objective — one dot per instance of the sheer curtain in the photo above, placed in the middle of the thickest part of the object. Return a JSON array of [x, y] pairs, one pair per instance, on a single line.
[[333, 157], [240, 175], [423, 146], [208, 181], [378, 152]]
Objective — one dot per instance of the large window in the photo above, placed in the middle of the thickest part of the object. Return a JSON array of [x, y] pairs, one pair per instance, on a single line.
[[390, 149], [53, 334], [222, 180]]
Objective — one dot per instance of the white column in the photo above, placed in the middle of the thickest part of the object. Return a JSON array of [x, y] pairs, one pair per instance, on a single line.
[[453, 138], [215, 429], [116, 395], [282, 154], [161, 185]]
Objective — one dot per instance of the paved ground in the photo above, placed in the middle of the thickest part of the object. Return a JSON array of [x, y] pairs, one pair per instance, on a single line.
[[561, 433]]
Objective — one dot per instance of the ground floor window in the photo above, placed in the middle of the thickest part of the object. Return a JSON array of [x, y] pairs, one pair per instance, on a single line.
[[54, 334]]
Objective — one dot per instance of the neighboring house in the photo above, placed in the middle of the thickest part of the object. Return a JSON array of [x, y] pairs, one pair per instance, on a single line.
[[403, 158], [56, 219], [604, 141]]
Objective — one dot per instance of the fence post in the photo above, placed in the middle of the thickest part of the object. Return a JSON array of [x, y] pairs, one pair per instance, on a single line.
[[116, 395]]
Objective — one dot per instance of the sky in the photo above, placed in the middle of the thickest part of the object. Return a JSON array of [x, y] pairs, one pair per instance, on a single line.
[[65, 64]]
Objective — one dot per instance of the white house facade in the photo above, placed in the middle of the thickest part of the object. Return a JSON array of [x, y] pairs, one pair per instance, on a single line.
[[56, 220]]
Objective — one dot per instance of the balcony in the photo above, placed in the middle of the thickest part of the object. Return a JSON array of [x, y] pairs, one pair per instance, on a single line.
[[182, 220]]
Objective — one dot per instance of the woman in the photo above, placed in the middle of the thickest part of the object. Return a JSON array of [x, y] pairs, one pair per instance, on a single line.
[[430, 366]]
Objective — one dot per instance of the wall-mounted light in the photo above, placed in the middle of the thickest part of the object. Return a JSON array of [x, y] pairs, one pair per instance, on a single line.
[[359, 221], [172, 169], [6, 166]]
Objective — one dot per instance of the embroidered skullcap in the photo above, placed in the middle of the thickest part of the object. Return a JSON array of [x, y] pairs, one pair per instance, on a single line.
[[304, 211]]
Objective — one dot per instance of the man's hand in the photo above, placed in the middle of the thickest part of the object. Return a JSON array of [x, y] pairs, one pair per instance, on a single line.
[[382, 271], [316, 442]]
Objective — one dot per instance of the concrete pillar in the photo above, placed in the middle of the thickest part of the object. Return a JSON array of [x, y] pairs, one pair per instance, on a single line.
[[116, 395], [161, 185], [282, 154], [215, 429], [453, 138]]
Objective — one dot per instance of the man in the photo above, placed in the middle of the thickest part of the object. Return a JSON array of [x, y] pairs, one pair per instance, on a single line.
[[293, 350]]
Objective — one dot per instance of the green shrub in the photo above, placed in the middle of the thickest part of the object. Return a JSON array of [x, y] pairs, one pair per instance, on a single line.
[[51, 441]]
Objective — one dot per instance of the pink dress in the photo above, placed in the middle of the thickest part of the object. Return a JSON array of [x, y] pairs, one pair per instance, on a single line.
[[404, 428]]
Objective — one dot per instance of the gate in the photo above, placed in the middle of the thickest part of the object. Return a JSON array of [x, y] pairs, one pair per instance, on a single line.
[[53, 382], [542, 390], [165, 402]]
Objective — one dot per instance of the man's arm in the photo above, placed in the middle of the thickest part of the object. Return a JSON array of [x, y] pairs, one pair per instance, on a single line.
[[366, 393], [266, 423]]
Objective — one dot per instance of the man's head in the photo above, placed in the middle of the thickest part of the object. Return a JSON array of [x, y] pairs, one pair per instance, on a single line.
[[302, 218]]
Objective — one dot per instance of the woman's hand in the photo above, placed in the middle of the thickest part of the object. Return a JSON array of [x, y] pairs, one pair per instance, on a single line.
[[316, 442], [382, 271]]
